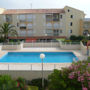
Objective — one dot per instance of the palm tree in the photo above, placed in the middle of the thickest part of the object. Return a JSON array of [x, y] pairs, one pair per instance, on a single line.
[[7, 30]]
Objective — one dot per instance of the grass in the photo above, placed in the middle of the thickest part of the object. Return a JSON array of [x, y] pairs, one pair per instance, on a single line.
[[60, 39], [32, 88]]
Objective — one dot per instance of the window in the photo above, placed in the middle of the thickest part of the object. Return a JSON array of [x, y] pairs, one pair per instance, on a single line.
[[85, 32], [9, 18], [23, 26], [29, 26], [56, 17], [49, 25], [70, 31], [71, 23], [22, 18], [71, 16], [29, 17], [30, 33], [56, 32], [17, 24], [56, 25], [61, 16], [68, 10], [60, 31], [49, 17], [49, 32]]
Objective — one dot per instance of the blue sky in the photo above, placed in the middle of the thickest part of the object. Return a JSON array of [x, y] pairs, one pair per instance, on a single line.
[[83, 5]]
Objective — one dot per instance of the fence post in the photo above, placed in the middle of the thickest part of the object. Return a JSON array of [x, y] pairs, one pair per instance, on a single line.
[[31, 66], [54, 66], [32, 43], [51, 43], [8, 66]]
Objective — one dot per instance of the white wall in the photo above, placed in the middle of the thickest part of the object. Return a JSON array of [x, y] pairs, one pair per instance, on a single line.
[[11, 47], [28, 75]]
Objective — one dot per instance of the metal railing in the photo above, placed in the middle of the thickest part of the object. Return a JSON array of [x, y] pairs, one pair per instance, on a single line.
[[41, 43], [71, 43], [32, 67]]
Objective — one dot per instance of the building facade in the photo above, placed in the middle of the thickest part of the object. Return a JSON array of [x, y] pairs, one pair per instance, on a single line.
[[44, 22], [85, 26]]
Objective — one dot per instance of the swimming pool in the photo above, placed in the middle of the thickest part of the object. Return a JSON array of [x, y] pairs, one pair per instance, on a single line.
[[34, 57]]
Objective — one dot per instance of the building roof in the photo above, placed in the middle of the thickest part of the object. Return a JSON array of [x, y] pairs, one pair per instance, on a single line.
[[26, 11]]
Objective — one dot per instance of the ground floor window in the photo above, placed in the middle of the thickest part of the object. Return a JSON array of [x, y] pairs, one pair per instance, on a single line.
[[85, 32]]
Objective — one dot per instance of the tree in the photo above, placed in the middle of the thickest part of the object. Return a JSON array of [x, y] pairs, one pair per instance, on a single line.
[[7, 30]]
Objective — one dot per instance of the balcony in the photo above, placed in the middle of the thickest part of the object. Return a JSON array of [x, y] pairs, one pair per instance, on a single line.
[[9, 18], [49, 25]]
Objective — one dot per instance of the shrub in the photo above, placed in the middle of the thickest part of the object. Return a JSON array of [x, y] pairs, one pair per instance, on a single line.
[[77, 76], [76, 38], [73, 37], [38, 83], [88, 58], [21, 83], [7, 83], [79, 38], [84, 41]]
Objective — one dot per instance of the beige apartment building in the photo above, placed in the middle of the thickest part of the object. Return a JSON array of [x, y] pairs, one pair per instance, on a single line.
[[43, 23], [85, 26]]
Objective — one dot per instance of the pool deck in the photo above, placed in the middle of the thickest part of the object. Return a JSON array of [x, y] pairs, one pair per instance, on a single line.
[[36, 66]]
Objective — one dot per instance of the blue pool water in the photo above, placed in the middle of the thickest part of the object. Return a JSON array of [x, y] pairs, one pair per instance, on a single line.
[[34, 57]]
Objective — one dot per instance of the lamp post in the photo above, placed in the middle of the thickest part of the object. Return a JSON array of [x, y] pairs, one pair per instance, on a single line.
[[42, 56]]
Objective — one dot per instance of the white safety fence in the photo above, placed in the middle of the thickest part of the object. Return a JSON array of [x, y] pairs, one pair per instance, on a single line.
[[41, 44], [35, 67]]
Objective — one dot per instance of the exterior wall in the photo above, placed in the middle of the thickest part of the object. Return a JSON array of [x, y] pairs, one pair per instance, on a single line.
[[11, 47], [83, 49], [2, 19], [77, 15], [28, 75], [81, 27], [84, 25], [39, 23]]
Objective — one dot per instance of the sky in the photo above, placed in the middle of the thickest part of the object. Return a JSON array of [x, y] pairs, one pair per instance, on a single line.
[[83, 5]]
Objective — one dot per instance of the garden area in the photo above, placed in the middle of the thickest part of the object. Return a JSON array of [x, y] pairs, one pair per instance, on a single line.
[[75, 40], [75, 77]]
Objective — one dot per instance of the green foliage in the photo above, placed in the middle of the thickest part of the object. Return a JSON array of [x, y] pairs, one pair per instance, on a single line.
[[38, 83], [77, 76], [84, 41], [76, 38], [21, 83], [32, 88], [73, 37], [6, 83], [88, 58], [7, 30]]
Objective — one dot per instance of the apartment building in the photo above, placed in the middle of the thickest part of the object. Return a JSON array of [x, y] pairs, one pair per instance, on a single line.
[[45, 23], [85, 26]]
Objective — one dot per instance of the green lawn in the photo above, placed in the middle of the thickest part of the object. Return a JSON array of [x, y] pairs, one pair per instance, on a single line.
[[60, 39]]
